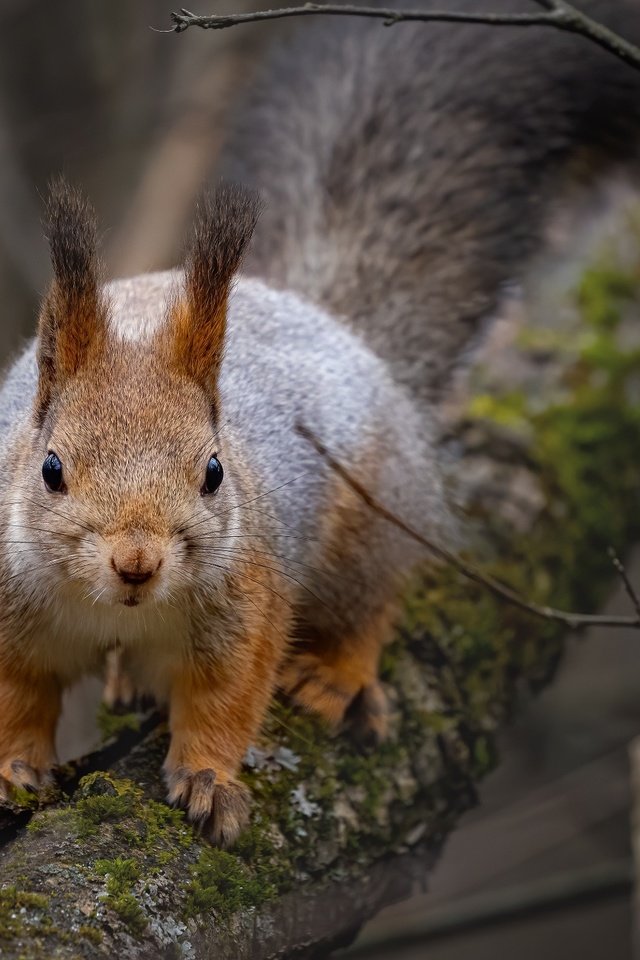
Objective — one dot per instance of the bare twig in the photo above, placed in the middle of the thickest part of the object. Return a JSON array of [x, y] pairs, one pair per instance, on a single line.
[[628, 586], [555, 13], [574, 621]]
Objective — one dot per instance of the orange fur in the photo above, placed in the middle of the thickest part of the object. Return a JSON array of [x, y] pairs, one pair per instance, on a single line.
[[194, 337], [338, 678], [216, 708], [29, 710]]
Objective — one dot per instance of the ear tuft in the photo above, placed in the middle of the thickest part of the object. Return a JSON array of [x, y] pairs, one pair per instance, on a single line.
[[71, 229], [224, 224], [73, 318], [223, 227]]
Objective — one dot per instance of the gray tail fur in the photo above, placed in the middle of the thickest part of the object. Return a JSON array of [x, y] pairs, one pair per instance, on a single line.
[[407, 169]]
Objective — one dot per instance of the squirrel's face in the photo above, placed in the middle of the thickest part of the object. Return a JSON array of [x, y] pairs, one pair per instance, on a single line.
[[128, 485], [134, 484]]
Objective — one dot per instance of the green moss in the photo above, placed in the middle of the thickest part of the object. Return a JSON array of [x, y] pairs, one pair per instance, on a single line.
[[508, 410], [112, 724], [121, 874], [25, 799], [221, 882], [110, 813], [130, 912], [602, 289], [90, 933], [102, 799], [142, 823], [12, 923]]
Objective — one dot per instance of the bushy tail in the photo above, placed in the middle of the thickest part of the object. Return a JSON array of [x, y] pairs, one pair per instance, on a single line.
[[408, 169]]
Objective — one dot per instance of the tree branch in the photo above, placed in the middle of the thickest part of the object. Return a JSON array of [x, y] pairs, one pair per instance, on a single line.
[[626, 583], [555, 13], [574, 621]]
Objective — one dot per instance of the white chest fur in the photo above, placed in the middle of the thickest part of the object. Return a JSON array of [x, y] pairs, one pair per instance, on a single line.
[[74, 634]]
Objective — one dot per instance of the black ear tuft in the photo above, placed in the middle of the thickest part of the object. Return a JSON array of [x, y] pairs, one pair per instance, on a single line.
[[73, 319], [224, 224], [71, 228]]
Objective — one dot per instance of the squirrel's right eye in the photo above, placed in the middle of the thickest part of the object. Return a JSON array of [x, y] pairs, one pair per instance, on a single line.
[[52, 473]]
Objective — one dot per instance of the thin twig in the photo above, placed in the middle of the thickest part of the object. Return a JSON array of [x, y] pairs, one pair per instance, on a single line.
[[574, 621], [555, 13], [628, 586]]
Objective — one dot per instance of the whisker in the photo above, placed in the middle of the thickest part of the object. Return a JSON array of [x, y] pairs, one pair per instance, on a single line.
[[290, 576], [98, 597], [259, 536], [244, 503], [265, 586], [266, 617], [28, 543], [55, 533], [59, 513], [287, 560], [221, 428], [271, 516], [280, 486]]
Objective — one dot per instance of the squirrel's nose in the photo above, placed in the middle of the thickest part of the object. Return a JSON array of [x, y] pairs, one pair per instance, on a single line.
[[135, 570], [135, 576]]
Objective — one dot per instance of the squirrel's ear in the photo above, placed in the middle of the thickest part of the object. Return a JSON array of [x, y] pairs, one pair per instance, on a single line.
[[194, 333], [73, 318]]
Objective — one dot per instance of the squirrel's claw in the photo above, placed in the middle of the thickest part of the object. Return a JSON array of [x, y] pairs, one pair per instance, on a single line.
[[219, 810]]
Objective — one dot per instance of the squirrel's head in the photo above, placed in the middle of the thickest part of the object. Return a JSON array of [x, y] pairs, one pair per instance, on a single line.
[[128, 477]]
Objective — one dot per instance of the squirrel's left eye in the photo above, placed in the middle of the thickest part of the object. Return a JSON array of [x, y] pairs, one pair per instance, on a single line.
[[213, 477], [52, 473]]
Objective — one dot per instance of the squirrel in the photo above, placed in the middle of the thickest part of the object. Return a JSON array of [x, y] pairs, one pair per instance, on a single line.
[[159, 497]]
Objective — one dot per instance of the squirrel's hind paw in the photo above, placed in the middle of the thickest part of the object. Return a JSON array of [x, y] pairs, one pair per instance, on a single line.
[[367, 718], [338, 696], [219, 810]]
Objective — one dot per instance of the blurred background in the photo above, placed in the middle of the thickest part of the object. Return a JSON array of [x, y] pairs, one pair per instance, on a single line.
[[137, 118]]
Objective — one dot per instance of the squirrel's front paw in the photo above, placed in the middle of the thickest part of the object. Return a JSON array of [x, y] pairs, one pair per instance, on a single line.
[[218, 807], [19, 774]]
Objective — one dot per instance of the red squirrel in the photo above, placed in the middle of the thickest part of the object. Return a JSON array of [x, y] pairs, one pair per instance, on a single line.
[[158, 497]]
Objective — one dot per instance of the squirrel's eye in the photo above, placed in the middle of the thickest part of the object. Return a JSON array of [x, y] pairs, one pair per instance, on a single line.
[[213, 477], [52, 473]]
